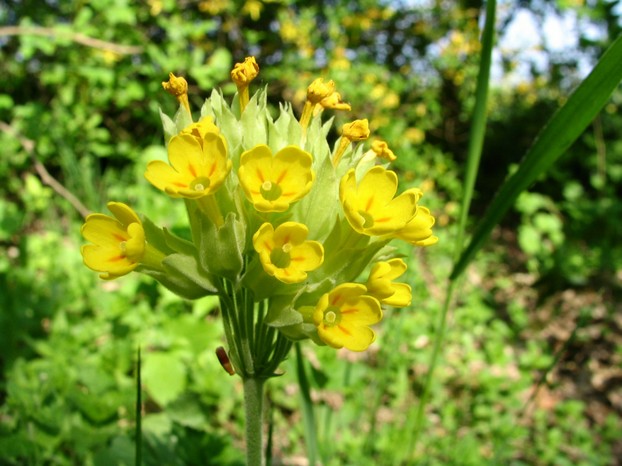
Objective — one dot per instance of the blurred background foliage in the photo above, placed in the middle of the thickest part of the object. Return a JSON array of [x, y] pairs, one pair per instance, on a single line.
[[532, 365]]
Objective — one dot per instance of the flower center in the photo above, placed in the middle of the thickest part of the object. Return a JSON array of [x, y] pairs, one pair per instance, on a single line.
[[280, 256], [123, 247], [200, 184], [368, 220], [270, 191], [332, 316]]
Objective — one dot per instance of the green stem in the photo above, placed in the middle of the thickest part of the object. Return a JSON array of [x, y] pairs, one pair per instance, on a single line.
[[253, 407]]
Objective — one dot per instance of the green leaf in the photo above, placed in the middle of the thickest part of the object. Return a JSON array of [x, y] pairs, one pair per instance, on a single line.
[[164, 376], [563, 129]]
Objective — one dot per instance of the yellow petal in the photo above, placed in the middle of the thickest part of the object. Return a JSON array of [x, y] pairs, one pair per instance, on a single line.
[[163, 176], [103, 230], [123, 213]]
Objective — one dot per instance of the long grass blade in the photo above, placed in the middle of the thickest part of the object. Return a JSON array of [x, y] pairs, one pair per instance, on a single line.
[[307, 408], [476, 140], [138, 434], [562, 130]]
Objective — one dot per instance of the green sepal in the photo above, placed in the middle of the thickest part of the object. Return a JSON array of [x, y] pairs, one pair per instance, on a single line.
[[179, 244], [221, 249], [254, 121], [168, 125], [156, 236], [227, 122], [183, 119], [184, 276], [322, 196], [285, 130], [281, 313]]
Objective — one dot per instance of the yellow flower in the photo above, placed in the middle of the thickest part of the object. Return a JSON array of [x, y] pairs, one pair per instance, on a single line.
[[178, 87], [285, 253], [357, 130], [371, 207], [198, 165], [273, 182], [382, 150], [380, 283], [119, 243], [242, 74], [343, 317]]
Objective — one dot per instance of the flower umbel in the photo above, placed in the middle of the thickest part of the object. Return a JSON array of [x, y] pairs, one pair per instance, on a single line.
[[285, 253], [343, 317], [273, 182], [119, 243], [370, 205], [380, 283]]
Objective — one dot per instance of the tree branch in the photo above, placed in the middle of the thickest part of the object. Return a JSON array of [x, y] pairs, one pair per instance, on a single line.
[[73, 36]]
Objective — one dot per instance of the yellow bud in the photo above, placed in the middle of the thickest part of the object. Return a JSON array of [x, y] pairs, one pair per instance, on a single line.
[[319, 90], [358, 130], [382, 150], [243, 73], [176, 86]]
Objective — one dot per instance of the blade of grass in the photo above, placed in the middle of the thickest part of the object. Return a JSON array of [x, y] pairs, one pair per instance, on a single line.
[[138, 434], [476, 141], [307, 408], [564, 127]]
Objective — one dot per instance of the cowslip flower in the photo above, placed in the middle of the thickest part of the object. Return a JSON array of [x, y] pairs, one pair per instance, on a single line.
[[198, 165], [380, 283], [119, 243], [370, 206], [272, 182], [343, 317], [285, 253]]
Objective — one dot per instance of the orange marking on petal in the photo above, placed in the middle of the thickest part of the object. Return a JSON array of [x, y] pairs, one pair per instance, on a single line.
[[383, 219], [370, 201], [260, 176], [296, 259], [344, 330], [118, 237], [192, 170], [289, 194], [267, 246], [179, 184], [281, 176], [335, 299], [349, 311], [212, 170], [116, 259]]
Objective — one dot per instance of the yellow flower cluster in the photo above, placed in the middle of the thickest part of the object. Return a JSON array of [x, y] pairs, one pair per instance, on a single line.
[[274, 212]]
